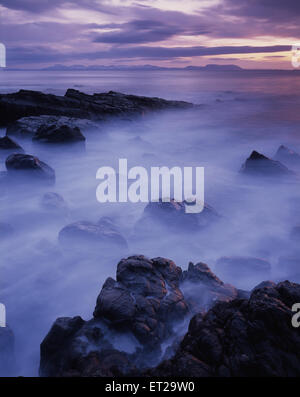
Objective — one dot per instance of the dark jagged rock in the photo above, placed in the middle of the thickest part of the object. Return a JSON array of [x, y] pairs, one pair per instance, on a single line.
[[7, 143], [7, 353], [172, 215], [145, 302], [260, 165], [58, 134], [145, 298], [287, 156], [93, 236], [201, 287], [79, 105], [27, 127], [265, 284], [74, 347], [248, 338], [25, 164], [243, 270]]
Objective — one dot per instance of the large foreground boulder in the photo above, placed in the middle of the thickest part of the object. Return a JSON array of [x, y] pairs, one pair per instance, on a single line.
[[244, 337], [259, 165], [21, 165], [79, 105], [145, 306]]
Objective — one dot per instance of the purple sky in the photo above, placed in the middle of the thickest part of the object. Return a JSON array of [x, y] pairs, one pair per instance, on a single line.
[[178, 33]]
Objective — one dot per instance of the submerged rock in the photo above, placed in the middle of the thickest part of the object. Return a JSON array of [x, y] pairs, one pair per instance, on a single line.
[[52, 201], [79, 105], [242, 337], [287, 156], [7, 143], [58, 134], [93, 236], [19, 165], [260, 165], [172, 215], [243, 271]]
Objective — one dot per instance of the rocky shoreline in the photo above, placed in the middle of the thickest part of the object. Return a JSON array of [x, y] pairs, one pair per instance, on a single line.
[[177, 323], [233, 333]]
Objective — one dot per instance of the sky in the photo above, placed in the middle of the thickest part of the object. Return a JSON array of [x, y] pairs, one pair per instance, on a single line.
[[170, 33]]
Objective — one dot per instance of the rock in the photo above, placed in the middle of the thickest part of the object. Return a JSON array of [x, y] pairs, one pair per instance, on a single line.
[[265, 284], [79, 105], [287, 156], [90, 235], [145, 299], [27, 127], [53, 202], [202, 288], [243, 271], [8, 144], [259, 165], [25, 164], [171, 215], [74, 347], [58, 134], [7, 353], [6, 230], [241, 338]]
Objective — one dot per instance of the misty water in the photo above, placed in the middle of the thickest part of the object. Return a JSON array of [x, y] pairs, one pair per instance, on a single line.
[[241, 112]]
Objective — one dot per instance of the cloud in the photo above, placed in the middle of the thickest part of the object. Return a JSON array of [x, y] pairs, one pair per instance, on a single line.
[[46, 54], [144, 31], [271, 10]]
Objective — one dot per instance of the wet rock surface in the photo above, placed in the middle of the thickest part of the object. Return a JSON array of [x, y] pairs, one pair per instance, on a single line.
[[251, 337], [259, 165], [79, 105]]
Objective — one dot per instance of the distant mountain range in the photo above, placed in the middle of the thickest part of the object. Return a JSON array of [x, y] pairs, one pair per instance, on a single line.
[[212, 67], [209, 68]]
